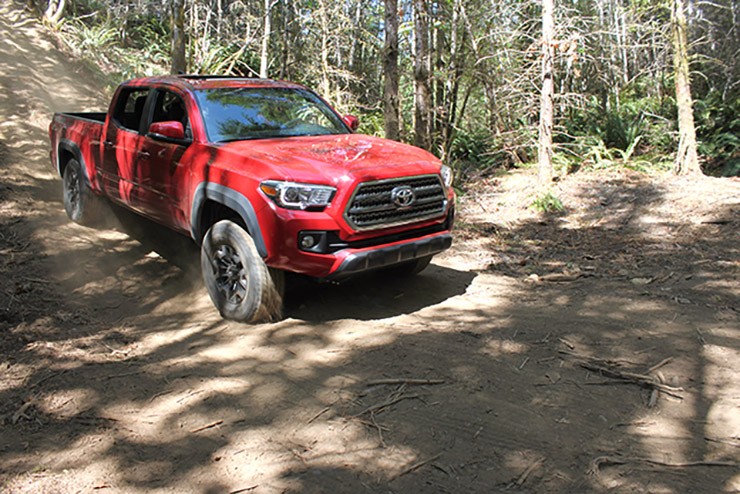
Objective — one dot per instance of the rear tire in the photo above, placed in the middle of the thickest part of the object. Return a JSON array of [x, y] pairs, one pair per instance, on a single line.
[[80, 202], [239, 282]]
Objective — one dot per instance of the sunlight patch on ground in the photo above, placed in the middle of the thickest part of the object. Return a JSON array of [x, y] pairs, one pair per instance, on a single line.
[[666, 437], [620, 307], [722, 427], [497, 348], [154, 341], [66, 403]]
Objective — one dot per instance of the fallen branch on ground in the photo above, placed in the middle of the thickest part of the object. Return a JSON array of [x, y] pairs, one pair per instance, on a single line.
[[527, 472], [660, 364], [411, 382], [639, 379], [46, 378], [388, 402], [246, 489], [21, 412], [416, 466], [125, 374], [209, 426], [322, 412], [561, 277], [598, 462], [608, 369]]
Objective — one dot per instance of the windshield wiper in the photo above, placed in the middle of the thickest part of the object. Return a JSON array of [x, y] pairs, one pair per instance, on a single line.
[[235, 139]]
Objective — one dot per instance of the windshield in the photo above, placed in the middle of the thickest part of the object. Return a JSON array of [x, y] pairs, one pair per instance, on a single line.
[[235, 114]]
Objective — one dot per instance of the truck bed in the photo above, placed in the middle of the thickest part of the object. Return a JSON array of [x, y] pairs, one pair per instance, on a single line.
[[78, 135], [93, 116]]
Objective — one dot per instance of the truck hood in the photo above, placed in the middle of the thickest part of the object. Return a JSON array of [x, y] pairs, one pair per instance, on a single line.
[[334, 158]]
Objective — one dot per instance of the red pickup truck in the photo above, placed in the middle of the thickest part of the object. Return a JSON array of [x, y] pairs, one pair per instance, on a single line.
[[264, 175]]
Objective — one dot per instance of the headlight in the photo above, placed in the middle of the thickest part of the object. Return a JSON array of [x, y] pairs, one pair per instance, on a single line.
[[293, 195], [446, 173]]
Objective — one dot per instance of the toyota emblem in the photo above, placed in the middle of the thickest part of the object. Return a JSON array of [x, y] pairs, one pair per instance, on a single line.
[[403, 196]]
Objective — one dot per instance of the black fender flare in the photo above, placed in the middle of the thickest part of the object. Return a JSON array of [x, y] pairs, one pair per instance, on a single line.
[[71, 147], [234, 200]]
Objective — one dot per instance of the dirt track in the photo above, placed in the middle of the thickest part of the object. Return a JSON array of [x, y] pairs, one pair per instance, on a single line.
[[119, 376]]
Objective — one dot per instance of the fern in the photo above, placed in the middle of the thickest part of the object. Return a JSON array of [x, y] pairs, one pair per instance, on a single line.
[[548, 204]]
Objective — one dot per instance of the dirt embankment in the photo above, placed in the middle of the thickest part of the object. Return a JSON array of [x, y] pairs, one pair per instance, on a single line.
[[592, 351]]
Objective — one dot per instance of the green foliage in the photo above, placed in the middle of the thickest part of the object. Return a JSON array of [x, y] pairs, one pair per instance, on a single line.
[[548, 203], [91, 38], [634, 122], [372, 123], [103, 42], [213, 59], [718, 129], [591, 152], [472, 148], [622, 129]]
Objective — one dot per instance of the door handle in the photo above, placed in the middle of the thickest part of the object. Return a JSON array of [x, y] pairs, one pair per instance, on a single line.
[[144, 154], [108, 144]]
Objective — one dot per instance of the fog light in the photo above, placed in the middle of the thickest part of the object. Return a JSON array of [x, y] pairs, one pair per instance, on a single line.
[[313, 241], [307, 242]]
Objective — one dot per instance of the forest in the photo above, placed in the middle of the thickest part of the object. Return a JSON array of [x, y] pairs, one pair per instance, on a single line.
[[461, 78]]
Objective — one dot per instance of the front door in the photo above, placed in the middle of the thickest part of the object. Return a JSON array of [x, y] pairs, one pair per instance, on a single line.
[[161, 169]]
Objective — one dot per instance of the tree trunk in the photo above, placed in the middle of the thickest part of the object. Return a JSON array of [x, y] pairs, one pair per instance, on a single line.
[[440, 104], [356, 38], [325, 82], [179, 66], [289, 37], [687, 159], [548, 89], [54, 11], [264, 60], [390, 69], [422, 93], [452, 84]]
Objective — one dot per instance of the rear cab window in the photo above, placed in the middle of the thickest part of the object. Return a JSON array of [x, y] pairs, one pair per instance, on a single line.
[[129, 108]]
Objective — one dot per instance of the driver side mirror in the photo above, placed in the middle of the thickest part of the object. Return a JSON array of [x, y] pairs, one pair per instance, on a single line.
[[352, 122], [168, 130]]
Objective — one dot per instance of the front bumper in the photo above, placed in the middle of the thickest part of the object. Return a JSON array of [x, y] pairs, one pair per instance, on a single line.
[[358, 261], [335, 254]]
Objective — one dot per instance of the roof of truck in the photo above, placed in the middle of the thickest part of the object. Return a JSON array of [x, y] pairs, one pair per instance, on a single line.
[[193, 82]]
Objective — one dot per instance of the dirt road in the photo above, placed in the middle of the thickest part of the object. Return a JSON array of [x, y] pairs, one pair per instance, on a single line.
[[589, 352]]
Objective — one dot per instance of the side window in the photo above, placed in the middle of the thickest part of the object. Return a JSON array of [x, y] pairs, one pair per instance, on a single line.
[[130, 108], [168, 107]]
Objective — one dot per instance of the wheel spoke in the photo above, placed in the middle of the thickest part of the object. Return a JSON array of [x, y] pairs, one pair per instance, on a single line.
[[73, 187], [231, 279]]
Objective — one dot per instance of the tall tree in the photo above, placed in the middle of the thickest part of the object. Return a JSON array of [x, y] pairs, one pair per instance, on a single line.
[[687, 159], [325, 82], [422, 91], [548, 90], [390, 69], [264, 55], [179, 64]]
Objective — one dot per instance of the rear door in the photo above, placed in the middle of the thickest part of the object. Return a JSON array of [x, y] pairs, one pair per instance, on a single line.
[[122, 146]]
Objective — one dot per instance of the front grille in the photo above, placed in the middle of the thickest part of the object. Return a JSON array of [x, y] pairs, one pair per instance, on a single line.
[[372, 205]]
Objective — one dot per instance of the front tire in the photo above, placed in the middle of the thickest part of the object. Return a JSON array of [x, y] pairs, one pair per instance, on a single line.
[[239, 282], [80, 202]]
